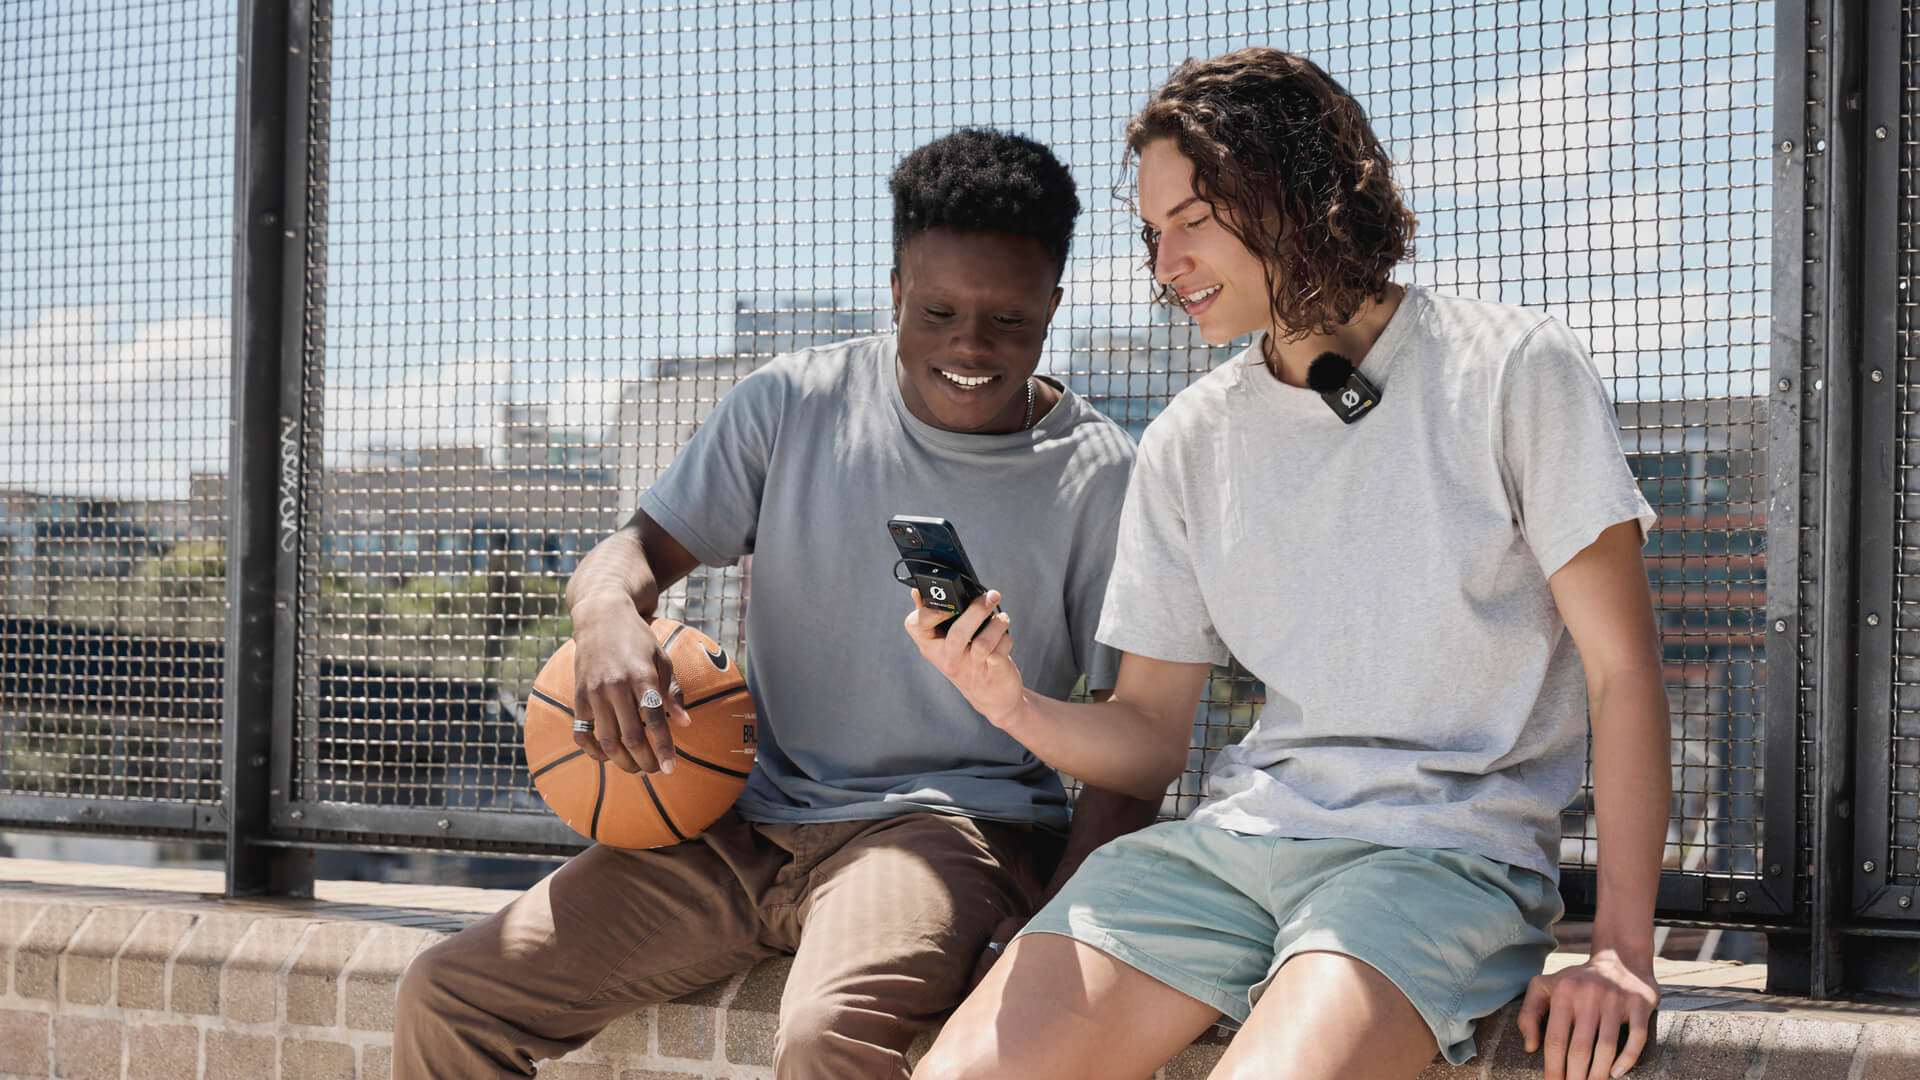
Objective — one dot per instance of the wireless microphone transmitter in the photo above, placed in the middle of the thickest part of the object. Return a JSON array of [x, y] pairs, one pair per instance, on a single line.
[[1342, 387]]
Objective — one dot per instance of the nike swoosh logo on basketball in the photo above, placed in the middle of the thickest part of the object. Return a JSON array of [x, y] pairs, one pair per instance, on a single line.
[[718, 656]]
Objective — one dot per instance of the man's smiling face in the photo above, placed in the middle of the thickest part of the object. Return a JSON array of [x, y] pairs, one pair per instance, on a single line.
[[1221, 284], [973, 309]]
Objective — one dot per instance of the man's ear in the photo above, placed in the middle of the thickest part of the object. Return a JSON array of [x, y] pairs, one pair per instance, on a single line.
[[893, 281], [1054, 306]]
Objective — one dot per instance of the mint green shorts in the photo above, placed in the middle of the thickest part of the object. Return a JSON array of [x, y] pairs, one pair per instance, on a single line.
[[1214, 914]]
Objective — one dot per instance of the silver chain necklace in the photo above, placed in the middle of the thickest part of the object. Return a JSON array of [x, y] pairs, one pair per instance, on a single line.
[[1028, 421]]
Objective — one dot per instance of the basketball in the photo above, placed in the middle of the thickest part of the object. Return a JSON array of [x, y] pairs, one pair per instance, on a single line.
[[636, 810]]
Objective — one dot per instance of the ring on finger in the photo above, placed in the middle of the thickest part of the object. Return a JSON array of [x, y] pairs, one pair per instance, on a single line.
[[651, 699], [582, 725]]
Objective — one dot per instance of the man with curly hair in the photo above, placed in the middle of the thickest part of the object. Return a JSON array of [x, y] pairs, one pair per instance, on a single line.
[[889, 837], [1407, 555]]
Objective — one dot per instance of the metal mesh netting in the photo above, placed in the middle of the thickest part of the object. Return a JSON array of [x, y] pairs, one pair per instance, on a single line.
[[556, 238], [1903, 834], [116, 146]]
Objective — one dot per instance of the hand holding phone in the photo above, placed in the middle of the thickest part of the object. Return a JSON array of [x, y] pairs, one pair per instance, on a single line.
[[978, 659], [933, 561]]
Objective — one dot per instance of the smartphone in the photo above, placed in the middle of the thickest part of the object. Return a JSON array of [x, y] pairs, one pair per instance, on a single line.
[[933, 561]]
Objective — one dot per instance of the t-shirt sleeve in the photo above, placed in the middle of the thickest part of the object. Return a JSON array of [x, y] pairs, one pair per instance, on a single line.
[[1154, 607], [1560, 449], [709, 497]]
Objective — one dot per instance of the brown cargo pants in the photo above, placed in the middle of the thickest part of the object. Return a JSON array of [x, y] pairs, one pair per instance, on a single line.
[[884, 920]]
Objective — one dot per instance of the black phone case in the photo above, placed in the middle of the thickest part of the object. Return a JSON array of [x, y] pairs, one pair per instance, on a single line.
[[936, 563]]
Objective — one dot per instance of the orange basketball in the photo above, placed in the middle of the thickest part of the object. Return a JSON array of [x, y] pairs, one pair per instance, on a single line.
[[600, 801]]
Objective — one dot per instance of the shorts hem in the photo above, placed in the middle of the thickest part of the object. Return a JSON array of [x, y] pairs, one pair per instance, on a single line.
[[1199, 989], [1397, 975]]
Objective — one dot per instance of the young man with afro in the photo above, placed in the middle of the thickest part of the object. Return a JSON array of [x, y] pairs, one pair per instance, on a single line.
[[889, 838]]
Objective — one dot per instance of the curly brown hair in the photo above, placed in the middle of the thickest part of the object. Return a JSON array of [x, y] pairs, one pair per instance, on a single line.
[[1289, 156]]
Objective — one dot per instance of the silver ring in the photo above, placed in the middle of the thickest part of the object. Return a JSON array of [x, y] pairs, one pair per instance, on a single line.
[[582, 725], [996, 946], [651, 699]]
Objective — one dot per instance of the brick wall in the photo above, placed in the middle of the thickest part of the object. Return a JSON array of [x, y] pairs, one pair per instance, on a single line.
[[145, 986], [192, 991]]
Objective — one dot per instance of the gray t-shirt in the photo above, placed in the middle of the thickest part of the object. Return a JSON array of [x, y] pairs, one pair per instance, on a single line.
[[1387, 581], [800, 466]]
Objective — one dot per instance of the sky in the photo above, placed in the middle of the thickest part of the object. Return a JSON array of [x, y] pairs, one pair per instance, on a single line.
[[533, 202]]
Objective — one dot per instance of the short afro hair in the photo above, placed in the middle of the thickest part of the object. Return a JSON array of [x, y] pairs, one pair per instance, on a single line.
[[981, 180]]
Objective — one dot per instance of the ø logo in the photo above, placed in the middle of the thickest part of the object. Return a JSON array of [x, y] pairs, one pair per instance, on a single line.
[[937, 592], [1350, 397]]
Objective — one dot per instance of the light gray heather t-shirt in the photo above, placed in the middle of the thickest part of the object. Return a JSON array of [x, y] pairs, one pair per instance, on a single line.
[[1387, 581], [800, 466]]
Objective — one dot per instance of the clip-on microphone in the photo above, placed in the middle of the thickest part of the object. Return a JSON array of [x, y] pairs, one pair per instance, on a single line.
[[1341, 386]]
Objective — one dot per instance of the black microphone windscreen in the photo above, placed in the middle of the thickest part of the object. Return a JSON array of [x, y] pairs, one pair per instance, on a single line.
[[1328, 372]]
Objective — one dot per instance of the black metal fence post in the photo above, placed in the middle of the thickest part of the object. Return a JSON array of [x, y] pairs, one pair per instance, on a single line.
[[1882, 875], [1787, 596], [1818, 122], [1833, 343], [263, 474]]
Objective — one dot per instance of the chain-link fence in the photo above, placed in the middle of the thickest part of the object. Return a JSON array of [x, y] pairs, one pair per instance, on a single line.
[[116, 194], [543, 240]]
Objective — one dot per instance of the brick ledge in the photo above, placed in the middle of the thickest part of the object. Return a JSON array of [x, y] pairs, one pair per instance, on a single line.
[[112, 972]]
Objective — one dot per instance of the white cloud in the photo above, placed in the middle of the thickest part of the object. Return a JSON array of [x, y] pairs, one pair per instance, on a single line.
[[1538, 190], [91, 417], [1562, 122], [88, 416], [464, 402]]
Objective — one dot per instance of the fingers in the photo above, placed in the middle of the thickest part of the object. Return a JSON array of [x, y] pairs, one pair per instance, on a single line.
[[1580, 1048], [990, 636], [1533, 1010], [609, 683], [626, 743], [659, 736], [1606, 1042], [583, 710], [1591, 1022], [921, 622], [969, 622], [984, 964], [677, 706], [996, 944], [960, 632], [1637, 1031], [1558, 1038]]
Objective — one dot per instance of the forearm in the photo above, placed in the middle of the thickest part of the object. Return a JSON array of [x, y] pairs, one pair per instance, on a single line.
[[616, 568], [1113, 744], [1099, 815], [1632, 792]]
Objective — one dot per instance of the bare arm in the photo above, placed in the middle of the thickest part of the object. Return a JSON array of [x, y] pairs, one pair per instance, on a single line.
[[1099, 815], [1602, 594], [633, 564], [616, 660], [1133, 744]]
